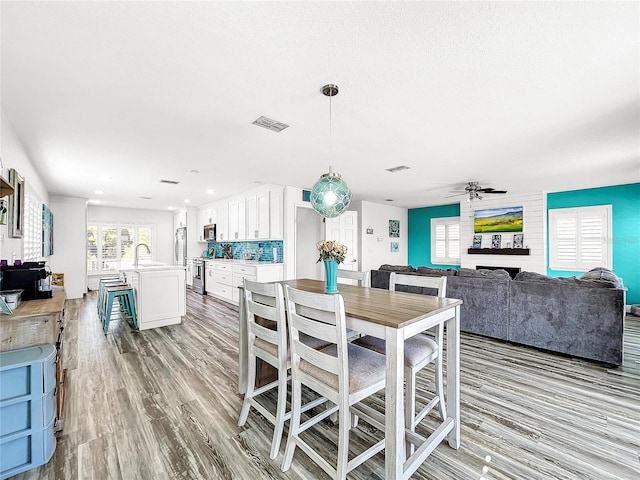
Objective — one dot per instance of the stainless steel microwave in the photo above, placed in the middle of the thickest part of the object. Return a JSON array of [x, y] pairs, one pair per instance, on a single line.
[[209, 232]]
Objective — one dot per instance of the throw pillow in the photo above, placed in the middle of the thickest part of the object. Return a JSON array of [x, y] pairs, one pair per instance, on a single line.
[[603, 275]]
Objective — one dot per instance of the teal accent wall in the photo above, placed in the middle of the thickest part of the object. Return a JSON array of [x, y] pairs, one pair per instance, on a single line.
[[625, 207], [419, 244]]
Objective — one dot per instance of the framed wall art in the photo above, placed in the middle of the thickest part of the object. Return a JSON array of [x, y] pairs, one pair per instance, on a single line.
[[16, 205], [394, 228], [498, 220], [47, 231]]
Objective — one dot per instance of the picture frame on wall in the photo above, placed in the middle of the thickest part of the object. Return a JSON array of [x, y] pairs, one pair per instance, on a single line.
[[394, 228], [477, 241], [518, 240], [16, 205], [395, 247], [496, 241]]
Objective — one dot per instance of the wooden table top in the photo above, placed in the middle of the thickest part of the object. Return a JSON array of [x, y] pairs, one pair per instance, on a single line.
[[391, 309], [42, 306]]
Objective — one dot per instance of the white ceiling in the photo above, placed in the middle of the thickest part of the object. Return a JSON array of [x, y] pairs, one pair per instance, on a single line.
[[521, 96]]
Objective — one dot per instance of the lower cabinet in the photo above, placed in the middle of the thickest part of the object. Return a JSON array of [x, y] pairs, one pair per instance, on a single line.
[[228, 276], [27, 408]]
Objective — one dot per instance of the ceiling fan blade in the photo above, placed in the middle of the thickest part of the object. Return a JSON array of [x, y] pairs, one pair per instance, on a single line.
[[456, 195], [497, 191], [490, 190]]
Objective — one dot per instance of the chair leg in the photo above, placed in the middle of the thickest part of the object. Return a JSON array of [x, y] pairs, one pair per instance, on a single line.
[[438, 380], [410, 405], [107, 314], [281, 412], [294, 425], [344, 425], [251, 382]]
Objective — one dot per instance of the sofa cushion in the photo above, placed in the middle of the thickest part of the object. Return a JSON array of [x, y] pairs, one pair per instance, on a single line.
[[432, 272], [397, 268], [603, 275], [578, 282], [483, 273]]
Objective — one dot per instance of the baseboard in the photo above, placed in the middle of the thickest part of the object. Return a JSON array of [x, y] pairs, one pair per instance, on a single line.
[[627, 308]]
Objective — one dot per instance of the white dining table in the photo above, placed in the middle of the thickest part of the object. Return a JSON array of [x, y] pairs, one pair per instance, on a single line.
[[394, 317]]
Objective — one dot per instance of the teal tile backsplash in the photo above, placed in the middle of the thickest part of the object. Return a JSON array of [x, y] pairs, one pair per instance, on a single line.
[[238, 249]]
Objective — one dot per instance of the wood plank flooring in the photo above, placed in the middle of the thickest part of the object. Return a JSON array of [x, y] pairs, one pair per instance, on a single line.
[[163, 404]]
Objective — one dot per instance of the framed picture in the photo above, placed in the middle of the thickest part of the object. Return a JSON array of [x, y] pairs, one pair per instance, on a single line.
[[394, 228], [494, 220], [518, 240], [496, 241], [395, 247], [16, 205], [477, 241], [47, 231]]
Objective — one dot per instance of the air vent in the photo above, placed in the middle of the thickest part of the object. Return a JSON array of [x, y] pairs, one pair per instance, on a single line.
[[170, 182], [270, 124], [397, 169], [145, 198]]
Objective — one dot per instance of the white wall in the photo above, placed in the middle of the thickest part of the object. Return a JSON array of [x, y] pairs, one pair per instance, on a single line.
[[162, 248], [375, 248], [70, 243], [15, 156], [534, 216]]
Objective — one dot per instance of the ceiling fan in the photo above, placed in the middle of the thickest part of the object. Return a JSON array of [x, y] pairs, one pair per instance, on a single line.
[[473, 190]]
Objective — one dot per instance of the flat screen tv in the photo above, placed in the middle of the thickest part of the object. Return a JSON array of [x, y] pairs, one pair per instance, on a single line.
[[498, 220]]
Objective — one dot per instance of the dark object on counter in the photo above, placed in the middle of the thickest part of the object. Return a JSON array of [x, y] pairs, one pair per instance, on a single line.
[[32, 277], [226, 248]]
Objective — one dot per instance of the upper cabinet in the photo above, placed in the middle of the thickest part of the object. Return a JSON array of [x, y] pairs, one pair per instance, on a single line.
[[255, 216], [180, 219]]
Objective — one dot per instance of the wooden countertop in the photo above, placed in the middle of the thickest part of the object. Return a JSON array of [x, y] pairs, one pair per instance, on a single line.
[[36, 308]]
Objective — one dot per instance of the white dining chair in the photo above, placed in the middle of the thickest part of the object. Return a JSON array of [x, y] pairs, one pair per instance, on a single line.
[[343, 373], [362, 277], [268, 341], [419, 351]]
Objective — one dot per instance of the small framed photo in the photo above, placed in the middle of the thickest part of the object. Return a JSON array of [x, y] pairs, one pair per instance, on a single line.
[[496, 240], [394, 228], [477, 241], [518, 240], [395, 247]]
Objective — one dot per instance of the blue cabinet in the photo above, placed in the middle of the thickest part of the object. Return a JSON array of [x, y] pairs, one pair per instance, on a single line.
[[27, 408]]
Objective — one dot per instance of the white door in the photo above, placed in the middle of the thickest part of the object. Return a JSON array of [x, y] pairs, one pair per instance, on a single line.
[[344, 229], [308, 234]]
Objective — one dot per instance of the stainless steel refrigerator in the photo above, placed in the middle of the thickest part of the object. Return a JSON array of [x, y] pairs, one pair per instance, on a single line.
[[180, 247]]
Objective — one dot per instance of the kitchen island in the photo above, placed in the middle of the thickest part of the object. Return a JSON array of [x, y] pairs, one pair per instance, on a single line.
[[160, 294]]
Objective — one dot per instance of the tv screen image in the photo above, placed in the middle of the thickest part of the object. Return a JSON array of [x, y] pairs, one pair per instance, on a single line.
[[498, 220]]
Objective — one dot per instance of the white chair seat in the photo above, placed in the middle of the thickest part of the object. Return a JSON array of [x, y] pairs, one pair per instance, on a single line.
[[366, 368], [417, 350]]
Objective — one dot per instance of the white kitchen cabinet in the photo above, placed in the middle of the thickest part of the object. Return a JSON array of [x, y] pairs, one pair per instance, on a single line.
[[237, 219], [189, 273], [205, 217], [160, 295], [180, 220], [209, 277], [222, 224], [264, 215], [230, 274]]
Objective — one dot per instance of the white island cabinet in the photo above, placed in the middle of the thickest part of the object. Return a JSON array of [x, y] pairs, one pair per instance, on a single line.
[[160, 295]]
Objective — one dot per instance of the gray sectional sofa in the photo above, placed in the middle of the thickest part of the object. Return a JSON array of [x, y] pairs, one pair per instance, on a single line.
[[579, 317]]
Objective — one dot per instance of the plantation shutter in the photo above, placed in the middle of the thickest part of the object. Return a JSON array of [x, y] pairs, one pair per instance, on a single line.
[[445, 240], [580, 238]]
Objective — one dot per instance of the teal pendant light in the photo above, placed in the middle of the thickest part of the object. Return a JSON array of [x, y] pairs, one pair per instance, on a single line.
[[330, 196]]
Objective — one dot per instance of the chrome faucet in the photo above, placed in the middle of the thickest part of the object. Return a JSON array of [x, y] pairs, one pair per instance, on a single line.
[[135, 258]]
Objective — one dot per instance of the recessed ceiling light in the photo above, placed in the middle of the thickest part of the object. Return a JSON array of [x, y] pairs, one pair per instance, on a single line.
[[171, 182], [186, 200], [397, 169], [145, 198], [99, 192], [211, 191]]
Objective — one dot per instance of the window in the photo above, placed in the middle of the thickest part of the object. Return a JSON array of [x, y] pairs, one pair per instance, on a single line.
[[32, 227], [580, 238], [445, 240], [111, 246]]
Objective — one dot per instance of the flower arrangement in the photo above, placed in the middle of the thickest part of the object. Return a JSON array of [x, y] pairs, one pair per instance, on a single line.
[[331, 250]]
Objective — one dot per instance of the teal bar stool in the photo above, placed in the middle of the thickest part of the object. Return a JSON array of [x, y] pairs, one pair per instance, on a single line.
[[102, 294], [123, 294]]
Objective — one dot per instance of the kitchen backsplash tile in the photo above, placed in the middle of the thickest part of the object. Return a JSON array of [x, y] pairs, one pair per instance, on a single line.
[[238, 249]]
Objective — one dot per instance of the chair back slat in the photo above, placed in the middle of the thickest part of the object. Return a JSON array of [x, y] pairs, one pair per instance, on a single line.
[[310, 313], [266, 301], [363, 278], [437, 283]]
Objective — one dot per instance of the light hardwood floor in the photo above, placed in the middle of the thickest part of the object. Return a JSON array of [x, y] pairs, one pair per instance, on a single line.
[[162, 404]]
